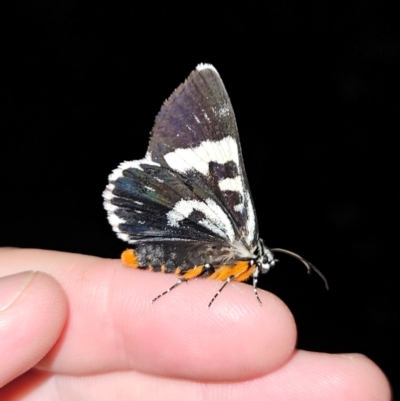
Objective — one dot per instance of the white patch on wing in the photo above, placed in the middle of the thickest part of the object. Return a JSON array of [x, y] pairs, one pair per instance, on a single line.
[[189, 128], [223, 111], [115, 221], [215, 219], [108, 195], [198, 158], [185, 160], [110, 207], [123, 236], [251, 220], [232, 184], [206, 66], [136, 164]]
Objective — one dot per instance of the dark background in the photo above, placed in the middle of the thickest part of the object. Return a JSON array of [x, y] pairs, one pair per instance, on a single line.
[[315, 87]]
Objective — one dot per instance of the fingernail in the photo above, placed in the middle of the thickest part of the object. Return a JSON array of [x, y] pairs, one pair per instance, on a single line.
[[11, 287]]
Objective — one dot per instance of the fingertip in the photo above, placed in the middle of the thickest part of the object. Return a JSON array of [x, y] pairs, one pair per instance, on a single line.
[[235, 339], [367, 380], [333, 377]]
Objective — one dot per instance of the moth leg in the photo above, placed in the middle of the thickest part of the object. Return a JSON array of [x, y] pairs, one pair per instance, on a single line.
[[251, 270], [255, 280], [197, 271], [228, 280], [179, 282], [244, 270]]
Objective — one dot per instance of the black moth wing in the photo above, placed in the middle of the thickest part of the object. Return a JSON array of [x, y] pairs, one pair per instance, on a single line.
[[191, 187], [195, 134], [141, 199]]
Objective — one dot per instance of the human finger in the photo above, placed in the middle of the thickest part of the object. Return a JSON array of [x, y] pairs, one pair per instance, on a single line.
[[114, 325], [33, 311], [307, 376]]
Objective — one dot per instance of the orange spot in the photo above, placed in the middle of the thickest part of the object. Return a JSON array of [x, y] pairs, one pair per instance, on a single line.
[[241, 271], [163, 269], [178, 271], [245, 275], [129, 259], [192, 273]]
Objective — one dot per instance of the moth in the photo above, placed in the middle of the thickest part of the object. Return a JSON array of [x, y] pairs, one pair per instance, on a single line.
[[186, 207]]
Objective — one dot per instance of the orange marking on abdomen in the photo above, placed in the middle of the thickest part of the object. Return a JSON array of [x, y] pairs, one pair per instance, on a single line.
[[241, 269], [177, 271], [129, 259], [245, 275], [192, 273]]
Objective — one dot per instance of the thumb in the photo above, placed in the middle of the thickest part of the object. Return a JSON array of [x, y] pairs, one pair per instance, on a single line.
[[33, 311]]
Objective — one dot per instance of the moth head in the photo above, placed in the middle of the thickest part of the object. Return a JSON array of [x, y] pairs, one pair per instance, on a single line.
[[266, 261], [266, 258]]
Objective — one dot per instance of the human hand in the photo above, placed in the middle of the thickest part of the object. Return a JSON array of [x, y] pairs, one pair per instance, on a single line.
[[83, 328]]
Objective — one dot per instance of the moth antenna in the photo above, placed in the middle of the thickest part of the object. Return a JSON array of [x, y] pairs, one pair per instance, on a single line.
[[309, 265]]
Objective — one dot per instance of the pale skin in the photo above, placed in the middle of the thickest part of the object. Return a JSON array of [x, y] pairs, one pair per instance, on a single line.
[[83, 328]]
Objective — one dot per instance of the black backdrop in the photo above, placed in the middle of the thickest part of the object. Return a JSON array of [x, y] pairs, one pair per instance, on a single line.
[[315, 88]]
